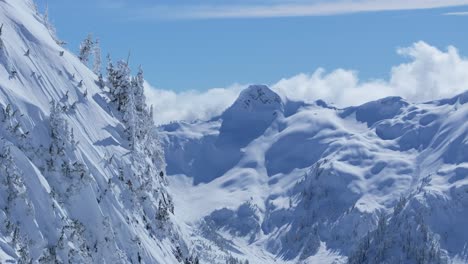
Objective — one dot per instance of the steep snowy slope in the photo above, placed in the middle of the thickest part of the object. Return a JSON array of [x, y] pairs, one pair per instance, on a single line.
[[81, 181], [385, 182]]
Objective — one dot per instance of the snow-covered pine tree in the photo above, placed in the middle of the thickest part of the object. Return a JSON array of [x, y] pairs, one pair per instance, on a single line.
[[136, 115], [100, 82], [143, 124], [127, 95], [145, 121], [59, 131], [50, 27], [404, 238], [14, 202], [118, 79], [12, 128], [86, 48], [45, 18], [97, 57], [138, 90], [12, 179], [68, 173]]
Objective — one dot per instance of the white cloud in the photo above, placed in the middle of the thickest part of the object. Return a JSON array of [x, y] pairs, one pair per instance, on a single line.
[[430, 74], [288, 8], [456, 14], [190, 105]]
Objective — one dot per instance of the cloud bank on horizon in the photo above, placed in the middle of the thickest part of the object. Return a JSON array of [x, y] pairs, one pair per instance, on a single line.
[[429, 74], [291, 8]]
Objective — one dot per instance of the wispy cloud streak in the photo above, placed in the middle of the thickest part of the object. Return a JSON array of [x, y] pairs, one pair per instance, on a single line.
[[289, 9], [456, 14]]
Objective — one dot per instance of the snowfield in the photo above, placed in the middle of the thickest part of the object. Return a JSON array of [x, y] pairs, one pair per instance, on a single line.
[[86, 177]]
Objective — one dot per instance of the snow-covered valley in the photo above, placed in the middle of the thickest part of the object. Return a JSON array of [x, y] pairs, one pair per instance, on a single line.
[[87, 177]]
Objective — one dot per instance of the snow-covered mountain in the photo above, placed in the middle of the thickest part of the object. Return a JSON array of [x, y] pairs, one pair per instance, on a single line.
[[83, 170], [82, 176], [277, 181]]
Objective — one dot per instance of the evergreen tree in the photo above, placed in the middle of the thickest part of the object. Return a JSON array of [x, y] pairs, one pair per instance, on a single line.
[[142, 181], [60, 133], [67, 173], [138, 88], [46, 21], [86, 48], [12, 181], [14, 201], [118, 79], [144, 122], [97, 57], [50, 27], [100, 81]]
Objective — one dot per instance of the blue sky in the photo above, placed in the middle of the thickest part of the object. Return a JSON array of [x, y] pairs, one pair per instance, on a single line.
[[199, 45]]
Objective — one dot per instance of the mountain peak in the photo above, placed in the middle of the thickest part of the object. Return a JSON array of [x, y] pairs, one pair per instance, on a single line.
[[257, 98], [250, 115]]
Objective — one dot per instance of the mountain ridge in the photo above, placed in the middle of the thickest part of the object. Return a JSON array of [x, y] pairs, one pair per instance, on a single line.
[[319, 177]]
